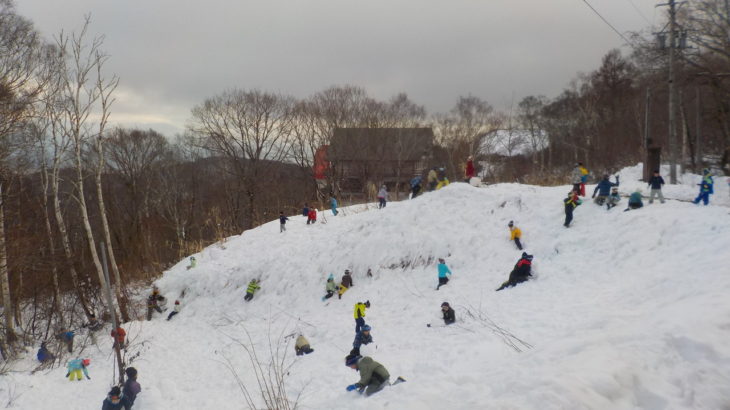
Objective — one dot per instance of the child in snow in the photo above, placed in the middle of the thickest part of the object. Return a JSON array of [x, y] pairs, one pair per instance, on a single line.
[[153, 301], [282, 221], [432, 179], [301, 346], [253, 286], [76, 367], [442, 180], [115, 400], [448, 312], [67, 337], [44, 355], [515, 234], [118, 334], [706, 188], [583, 179], [635, 200], [571, 202], [603, 189], [382, 196], [613, 199], [469, 169], [359, 315], [330, 287], [655, 183], [175, 310], [361, 338], [520, 273], [333, 205], [312, 216], [93, 324], [131, 386], [305, 211], [415, 186], [345, 284], [373, 375], [443, 271], [193, 263]]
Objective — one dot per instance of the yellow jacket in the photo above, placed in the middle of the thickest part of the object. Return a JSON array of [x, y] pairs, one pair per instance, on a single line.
[[359, 310], [515, 232], [301, 342], [583, 171]]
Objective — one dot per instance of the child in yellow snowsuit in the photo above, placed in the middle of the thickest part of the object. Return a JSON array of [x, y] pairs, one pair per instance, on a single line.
[[515, 234], [76, 367]]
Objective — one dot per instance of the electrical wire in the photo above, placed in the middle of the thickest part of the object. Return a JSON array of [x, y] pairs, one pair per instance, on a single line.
[[609, 24], [640, 13]]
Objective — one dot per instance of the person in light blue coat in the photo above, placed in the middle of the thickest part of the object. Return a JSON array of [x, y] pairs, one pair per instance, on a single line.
[[333, 205], [443, 272]]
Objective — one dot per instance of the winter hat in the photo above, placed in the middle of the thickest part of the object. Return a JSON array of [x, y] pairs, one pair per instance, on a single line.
[[528, 257], [347, 271], [366, 328], [115, 392], [177, 302], [367, 303], [446, 304], [524, 254], [86, 362], [511, 224], [131, 372], [441, 260], [351, 359]]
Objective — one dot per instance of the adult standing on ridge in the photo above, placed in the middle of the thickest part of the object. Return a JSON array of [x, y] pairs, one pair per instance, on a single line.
[[443, 271], [571, 202], [515, 234], [432, 179], [361, 338], [131, 386], [706, 188], [373, 375], [253, 286], [345, 283], [282, 221], [382, 196], [520, 273], [469, 169], [655, 183], [360, 315], [333, 204], [604, 190]]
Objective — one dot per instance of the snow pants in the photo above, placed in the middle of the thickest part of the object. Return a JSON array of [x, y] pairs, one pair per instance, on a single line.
[[301, 351], [334, 210], [442, 281], [656, 192], [248, 296], [359, 323], [513, 281], [150, 309], [376, 386], [78, 374], [600, 200], [173, 313], [342, 290], [704, 197], [518, 243], [568, 214], [329, 294], [382, 202]]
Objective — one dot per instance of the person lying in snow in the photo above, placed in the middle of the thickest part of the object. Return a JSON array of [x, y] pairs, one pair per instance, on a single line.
[[520, 273], [373, 375], [301, 346]]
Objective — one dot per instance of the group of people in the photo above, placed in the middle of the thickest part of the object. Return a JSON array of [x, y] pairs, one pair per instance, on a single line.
[[124, 397]]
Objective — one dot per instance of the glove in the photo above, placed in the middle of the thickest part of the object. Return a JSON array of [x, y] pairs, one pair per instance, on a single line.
[[351, 387], [88, 378]]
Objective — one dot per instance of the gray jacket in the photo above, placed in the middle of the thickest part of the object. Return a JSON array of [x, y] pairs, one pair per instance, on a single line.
[[575, 176], [371, 371], [383, 193]]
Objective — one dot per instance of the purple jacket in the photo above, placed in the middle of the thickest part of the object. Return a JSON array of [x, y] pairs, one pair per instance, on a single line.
[[131, 389]]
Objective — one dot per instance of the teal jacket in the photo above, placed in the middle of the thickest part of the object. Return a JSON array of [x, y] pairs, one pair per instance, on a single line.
[[443, 270]]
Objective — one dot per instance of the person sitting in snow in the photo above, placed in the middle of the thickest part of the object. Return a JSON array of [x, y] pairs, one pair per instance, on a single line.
[[345, 283], [613, 199], [115, 400], [515, 234], [312, 216], [635, 200], [330, 287], [301, 346], [175, 310], [443, 271], [520, 273], [361, 338], [131, 386], [603, 189], [253, 286], [571, 202], [373, 375], [76, 367], [44, 355], [118, 334], [359, 315], [153, 302], [448, 312], [706, 188], [193, 263]]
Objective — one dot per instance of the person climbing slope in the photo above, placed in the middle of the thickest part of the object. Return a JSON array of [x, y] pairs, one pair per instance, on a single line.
[[359, 315], [571, 202], [253, 286], [515, 234], [75, 367], [443, 272], [361, 338], [520, 273], [373, 375]]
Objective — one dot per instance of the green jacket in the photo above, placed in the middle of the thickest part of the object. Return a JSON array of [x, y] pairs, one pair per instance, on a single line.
[[371, 371], [252, 287], [331, 287]]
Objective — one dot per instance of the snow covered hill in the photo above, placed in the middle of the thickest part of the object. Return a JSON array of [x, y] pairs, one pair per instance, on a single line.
[[629, 310]]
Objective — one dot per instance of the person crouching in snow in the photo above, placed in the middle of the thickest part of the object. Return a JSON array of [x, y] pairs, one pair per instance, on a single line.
[[115, 400], [330, 287], [175, 310], [603, 189], [635, 200], [449, 314], [44, 355], [520, 273], [443, 271], [361, 338], [301, 346], [515, 234], [253, 286], [373, 375], [75, 367]]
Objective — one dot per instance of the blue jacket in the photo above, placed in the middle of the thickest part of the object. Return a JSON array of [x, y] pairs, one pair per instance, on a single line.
[[283, 219], [361, 339], [604, 187], [333, 202], [415, 181], [43, 354], [656, 182], [635, 198], [305, 211], [443, 270]]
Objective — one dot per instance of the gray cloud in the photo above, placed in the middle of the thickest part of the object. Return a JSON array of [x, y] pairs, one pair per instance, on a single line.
[[172, 54]]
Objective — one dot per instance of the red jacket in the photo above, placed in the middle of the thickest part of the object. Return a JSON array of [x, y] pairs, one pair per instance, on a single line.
[[312, 214], [470, 169], [119, 334]]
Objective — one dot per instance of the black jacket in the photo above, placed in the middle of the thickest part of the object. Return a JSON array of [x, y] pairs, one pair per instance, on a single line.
[[522, 269], [449, 316], [656, 182]]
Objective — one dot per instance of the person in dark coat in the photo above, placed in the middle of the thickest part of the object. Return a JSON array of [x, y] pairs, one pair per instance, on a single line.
[[282, 221], [521, 272], [44, 355], [115, 400], [449, 314], [361, 338], [571, 202], [345, 284], [655, 183], [305, 211], [131, 386], [604, 190], [415, 186]]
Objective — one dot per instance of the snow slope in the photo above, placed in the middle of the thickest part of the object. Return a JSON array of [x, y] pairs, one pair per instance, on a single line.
[[629, 310]]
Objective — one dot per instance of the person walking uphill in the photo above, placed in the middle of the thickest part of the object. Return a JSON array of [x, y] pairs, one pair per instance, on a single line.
[[333, 205], [373, 375], [253, 286], [282, 221], [75, 367], [604, 190], [443, 271], [655, 183], [362, 338], [520, 273], [345, 283], [571, 202], [382, 197], [131, 386], [359, 315], [515, 234]]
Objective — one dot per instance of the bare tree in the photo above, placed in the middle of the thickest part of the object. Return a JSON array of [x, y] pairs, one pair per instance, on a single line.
[[529, 114]]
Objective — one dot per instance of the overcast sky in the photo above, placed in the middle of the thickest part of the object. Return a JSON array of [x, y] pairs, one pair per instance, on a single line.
[[172, 54]]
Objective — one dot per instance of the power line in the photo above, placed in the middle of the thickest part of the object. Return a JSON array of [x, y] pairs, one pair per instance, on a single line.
[[640, 13], [606, 21]]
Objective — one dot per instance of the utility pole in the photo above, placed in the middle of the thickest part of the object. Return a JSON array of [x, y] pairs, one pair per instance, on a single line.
[[645, 145], [672, 96]]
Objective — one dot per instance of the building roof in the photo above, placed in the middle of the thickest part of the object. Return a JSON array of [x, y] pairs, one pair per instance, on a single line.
[[380, 144]]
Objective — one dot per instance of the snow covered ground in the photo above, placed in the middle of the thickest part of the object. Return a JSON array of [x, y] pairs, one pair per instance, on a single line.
[[629, 310]]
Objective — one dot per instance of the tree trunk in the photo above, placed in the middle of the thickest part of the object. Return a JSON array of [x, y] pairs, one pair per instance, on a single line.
[[51, 245], [10, 335], [118, 290]]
